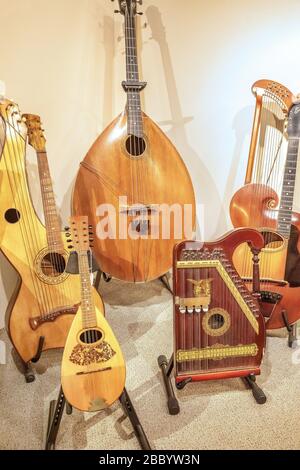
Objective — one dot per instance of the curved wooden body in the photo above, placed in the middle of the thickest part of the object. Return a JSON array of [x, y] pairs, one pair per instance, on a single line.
[[159, 176], [21, 242], [255, 205], [244, 325], [98, 384]]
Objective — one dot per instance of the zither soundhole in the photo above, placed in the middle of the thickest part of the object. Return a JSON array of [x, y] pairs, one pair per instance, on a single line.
[[50, 266]]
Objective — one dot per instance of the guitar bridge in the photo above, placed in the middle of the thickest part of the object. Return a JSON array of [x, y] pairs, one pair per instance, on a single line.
[[35, 322]]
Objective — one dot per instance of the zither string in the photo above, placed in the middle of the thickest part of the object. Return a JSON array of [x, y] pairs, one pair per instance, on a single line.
[[21, 200]]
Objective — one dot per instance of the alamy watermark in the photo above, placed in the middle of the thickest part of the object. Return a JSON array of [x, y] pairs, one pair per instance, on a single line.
[[140, 221]]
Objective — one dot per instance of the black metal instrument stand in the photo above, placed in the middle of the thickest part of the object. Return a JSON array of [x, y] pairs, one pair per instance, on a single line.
[[56, 411], [172, 402]]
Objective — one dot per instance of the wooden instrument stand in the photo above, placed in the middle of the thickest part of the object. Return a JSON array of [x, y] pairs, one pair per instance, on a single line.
[[57, 407]]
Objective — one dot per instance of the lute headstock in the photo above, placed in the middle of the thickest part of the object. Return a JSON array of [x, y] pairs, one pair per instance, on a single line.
[[129, 7], [36, 136]]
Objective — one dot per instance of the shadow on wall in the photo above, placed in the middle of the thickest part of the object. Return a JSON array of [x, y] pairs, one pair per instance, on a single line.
[[201, 177], [106, 30], [242, 124]]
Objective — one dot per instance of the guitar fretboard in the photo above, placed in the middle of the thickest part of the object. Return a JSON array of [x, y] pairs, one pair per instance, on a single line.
[[288, 189], [52, 223]]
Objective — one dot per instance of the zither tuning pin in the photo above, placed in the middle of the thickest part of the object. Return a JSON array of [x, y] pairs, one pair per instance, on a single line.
[[67, 229]]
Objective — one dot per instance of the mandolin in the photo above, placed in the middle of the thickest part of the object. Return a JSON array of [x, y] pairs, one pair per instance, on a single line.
[[93, 368], [132, 183], [46, 297], [258, 205]]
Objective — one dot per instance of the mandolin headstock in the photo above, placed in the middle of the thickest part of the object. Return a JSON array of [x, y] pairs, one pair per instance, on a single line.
[[36, 136], [79, 234]]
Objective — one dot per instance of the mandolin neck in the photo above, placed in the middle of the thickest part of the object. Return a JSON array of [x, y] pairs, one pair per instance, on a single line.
[[52, 223], [134, 112], [89, 319], [288, 189]]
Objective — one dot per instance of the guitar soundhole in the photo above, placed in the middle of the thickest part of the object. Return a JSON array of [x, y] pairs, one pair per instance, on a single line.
[[272, 239], [90, 336], [53, 264], [216, 321], [12, 216], [135, 146]]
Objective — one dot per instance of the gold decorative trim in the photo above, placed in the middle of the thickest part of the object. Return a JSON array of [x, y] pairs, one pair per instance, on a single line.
[[215, 263], [218, 331], [217, 352]]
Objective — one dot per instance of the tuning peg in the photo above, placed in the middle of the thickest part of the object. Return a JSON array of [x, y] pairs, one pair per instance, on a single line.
[[139, 13], [67, 228], [117, 11], [140, 2], [70, 247]]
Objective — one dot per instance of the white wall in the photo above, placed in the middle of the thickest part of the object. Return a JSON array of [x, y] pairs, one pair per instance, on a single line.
[[64, 60]]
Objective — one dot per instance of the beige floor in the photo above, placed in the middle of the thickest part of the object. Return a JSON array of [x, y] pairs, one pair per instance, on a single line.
[[214, 415]]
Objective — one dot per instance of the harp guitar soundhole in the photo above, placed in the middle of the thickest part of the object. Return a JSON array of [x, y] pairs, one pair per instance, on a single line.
[[135, 146], [53, 264], [90, 336]]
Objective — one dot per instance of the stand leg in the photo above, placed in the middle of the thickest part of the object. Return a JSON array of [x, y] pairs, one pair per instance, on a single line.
[[99, 275], [165, 280], [26, 367], [55, 415], [98, 279], [39, 350], [292, 329], [166, 368], [257, 392], [136, 424]]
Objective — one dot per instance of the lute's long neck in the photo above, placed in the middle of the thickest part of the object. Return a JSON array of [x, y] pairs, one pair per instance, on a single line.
[[288, 189], [89, 319], [132, 84], [52, 222]]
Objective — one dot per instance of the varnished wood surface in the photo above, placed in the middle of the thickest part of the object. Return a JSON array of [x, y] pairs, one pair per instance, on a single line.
[[21, 242], [158, 177], [95, 386], [257, 208], [189, 332]]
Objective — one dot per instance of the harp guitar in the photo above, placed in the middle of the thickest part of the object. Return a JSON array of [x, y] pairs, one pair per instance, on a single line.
[[219, 331], [46, 298], [93, 368], [266, 203], [134, 168]]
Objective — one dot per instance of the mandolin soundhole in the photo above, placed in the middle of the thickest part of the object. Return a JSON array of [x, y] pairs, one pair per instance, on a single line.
[[90, 336], [53, 264], [135, 146]]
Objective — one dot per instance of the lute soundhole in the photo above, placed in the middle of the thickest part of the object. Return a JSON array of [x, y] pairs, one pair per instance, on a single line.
[[135, 146]]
